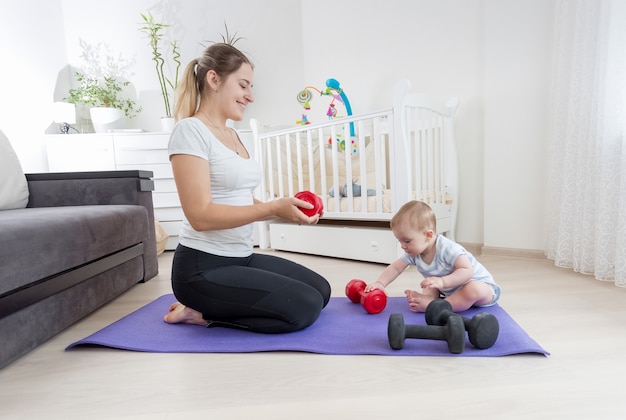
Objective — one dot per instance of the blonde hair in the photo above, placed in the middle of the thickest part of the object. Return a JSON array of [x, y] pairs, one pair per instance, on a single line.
[[418, 214], [223, 58]]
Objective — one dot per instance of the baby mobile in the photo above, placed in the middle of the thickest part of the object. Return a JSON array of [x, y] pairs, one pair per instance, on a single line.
[[336, 93]]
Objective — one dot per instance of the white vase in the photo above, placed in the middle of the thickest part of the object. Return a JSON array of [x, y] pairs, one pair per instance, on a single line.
[[167, 124], [106, 119]]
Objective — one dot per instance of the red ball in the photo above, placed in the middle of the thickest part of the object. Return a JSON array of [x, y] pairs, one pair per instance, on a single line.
[[309, 197]]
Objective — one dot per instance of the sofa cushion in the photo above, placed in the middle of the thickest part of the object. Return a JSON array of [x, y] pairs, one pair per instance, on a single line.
[[36, 243], [13, 185]]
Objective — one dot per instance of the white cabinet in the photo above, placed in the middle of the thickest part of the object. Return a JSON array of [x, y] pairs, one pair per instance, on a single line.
[[119, 151], [149, 152]]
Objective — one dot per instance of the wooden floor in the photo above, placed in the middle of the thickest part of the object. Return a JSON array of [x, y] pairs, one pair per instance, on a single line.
[[579, 320]]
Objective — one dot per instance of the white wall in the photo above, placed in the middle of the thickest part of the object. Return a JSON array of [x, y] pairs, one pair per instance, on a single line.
[[492, 54], [33, 52], [436, 44], [518, 38], [269, 29]]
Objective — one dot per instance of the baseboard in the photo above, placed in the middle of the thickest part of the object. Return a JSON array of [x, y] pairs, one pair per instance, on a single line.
[[511, 252], [473, 248], [480, 249]]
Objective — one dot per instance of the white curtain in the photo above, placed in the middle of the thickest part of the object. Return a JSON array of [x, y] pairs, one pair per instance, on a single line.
[[586, 228]]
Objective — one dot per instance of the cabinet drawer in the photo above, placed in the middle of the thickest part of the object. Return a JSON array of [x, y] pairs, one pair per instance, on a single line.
[[172, 228], [160, 170], [169, 214], [144, 141], [140, 156], [165, 185], [141, 149], [165, 199], [356, 243], [172, 243]]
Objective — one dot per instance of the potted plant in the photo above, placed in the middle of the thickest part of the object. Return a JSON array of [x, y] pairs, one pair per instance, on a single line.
[[154, 32], [101, 83]]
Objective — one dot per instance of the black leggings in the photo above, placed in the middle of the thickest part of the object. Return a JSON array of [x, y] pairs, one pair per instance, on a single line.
[[260, 293]]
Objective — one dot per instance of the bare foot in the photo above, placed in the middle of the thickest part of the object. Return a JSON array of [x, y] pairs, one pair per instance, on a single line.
[[417, 301], [180, 314]]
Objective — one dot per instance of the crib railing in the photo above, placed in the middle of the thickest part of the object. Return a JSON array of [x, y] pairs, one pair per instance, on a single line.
[[326, 159], [428, 150]]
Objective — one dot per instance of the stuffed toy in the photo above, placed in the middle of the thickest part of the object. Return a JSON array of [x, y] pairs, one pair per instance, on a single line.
[[356, 191]]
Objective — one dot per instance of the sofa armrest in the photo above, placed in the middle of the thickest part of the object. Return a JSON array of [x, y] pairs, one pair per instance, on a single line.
[[132, 187], [89, 188]]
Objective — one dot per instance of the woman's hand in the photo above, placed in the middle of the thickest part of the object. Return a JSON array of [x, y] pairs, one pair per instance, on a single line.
[[288, 208]]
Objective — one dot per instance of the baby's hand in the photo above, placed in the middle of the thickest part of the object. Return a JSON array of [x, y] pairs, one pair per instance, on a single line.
[[432, 283], [374, 286]]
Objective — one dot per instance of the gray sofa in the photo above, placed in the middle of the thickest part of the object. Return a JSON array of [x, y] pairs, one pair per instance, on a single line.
[[82, 240]]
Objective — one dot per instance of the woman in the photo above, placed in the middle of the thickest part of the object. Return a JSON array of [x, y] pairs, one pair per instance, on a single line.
[[216, 277]]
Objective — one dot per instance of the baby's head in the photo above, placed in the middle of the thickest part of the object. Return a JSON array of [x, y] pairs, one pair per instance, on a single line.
[[416, 215]]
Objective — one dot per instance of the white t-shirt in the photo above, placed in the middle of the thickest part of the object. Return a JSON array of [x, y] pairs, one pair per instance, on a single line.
[[447, 251], [233, 180]]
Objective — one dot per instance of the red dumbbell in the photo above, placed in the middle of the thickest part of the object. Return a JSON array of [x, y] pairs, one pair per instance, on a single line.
[[373, 302], [309, 197]]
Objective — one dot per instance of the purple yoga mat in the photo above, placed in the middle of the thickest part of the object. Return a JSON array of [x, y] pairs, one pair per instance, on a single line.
[[342, 328]]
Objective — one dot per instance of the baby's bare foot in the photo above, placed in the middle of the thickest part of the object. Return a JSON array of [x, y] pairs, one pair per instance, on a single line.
[[417, 301], [181, 314]]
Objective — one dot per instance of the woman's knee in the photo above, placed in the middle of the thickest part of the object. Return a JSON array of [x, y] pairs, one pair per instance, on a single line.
[[307, 309], [325, 290]]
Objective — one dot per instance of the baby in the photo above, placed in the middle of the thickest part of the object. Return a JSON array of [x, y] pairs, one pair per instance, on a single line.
[[449, 270]]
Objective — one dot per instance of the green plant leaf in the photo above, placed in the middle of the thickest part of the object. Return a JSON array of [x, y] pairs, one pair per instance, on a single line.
[[154, 33]]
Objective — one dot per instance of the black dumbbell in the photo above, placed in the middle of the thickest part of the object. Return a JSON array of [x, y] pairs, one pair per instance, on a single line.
[[482, 328], [453, 332]]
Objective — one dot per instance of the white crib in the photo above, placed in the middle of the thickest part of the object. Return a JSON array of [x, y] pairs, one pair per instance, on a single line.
[[392, 156]]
